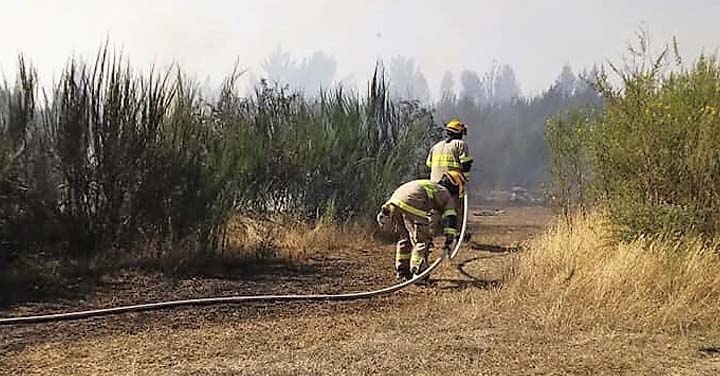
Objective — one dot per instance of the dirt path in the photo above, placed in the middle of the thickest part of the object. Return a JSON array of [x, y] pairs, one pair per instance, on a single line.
[[457, 326]]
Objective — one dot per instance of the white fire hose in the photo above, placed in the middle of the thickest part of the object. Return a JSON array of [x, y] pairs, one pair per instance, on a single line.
[[241, 299]]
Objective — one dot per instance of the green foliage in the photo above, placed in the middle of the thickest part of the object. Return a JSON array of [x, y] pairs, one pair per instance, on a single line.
[[338, 152], [568, 135], [653, 153], [113, 157], [659, 150]]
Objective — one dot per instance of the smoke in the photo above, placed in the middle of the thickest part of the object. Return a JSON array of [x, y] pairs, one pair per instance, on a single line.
[[502, 67], [209, 37]]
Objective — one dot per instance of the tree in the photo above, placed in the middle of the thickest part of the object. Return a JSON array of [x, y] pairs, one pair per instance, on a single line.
[[407, 81], [506, 129], [505, 87], [279, 67], [447, 86], [471, 88], [316, 71], [586, 79], [565, 82], [447, 96], [310, 75], [500, 84]]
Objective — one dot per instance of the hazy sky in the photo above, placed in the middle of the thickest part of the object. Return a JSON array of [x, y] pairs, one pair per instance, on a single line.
[[206, 37]]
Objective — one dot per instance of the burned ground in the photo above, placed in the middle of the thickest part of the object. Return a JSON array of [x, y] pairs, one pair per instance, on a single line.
[[461, 324]]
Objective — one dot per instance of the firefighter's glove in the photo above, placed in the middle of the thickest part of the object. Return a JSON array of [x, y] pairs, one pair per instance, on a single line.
[[383, 217]]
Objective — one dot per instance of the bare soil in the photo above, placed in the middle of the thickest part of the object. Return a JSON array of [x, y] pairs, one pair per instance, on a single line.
[[459, 325]]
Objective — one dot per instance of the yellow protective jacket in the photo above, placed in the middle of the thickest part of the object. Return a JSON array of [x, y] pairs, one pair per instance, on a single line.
[[418, 197], [449, 155]]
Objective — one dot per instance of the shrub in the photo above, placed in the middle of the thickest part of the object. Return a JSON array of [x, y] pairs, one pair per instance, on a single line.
[[112, 157], [652, 155]]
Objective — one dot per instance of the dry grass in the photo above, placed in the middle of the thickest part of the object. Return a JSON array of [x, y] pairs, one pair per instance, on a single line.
[[421, 336], [463, 325], [249, 242], [575, 276], [289, 240]]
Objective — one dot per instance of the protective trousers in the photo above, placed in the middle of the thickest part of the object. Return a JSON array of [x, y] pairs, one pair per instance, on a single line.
[[436, 225], [411, 252]]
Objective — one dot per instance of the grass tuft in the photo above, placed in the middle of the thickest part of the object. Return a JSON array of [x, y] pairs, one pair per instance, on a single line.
[[573, 275]]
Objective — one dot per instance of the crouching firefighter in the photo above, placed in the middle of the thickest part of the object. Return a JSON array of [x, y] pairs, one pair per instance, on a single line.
[[408, 210]]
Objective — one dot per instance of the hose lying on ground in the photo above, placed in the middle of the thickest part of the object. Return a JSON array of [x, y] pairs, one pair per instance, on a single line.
[[239, 299]]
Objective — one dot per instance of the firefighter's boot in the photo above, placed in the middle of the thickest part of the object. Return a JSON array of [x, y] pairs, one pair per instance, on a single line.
[[420, 250], [402, 259]]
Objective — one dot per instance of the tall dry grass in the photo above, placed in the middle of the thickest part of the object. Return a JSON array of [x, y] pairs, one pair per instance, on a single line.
[[249, 243], [572, 275], [288, 240]]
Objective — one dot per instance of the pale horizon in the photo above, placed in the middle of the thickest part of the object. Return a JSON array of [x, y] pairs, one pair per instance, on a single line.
[[207, 38]]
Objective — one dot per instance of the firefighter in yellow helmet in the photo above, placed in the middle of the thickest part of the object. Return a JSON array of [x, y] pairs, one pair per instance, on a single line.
[[451, 154], [408, 210]]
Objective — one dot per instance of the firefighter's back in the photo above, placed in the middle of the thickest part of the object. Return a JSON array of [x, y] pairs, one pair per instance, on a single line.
[[446, 156]]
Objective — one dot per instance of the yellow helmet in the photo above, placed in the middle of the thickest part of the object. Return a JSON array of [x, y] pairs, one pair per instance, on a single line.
[[457, 179], [456, 126]]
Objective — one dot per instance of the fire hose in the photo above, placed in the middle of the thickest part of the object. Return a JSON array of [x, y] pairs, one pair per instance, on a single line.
[[242, 299]]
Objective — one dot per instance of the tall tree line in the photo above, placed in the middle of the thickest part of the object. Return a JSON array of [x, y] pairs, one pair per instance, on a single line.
[[507, 129], [506, 126]]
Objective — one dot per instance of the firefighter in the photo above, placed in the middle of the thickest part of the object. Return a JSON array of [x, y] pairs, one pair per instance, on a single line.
[[408, 209], [450, 154]]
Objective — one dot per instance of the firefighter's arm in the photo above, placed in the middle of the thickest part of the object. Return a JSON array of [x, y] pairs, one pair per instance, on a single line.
[[383, 217], [466, 161]]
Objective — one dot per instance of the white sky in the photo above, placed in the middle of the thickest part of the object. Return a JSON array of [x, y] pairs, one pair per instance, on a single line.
[[206, 37]]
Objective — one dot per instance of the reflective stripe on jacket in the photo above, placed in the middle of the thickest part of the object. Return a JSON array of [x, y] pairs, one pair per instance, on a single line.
[[418, 197], [447, 155]]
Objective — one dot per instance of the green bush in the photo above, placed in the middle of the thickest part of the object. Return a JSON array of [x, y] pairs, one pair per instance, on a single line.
[[567, 135], [112, 157], [658, 150], [653, 153]]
